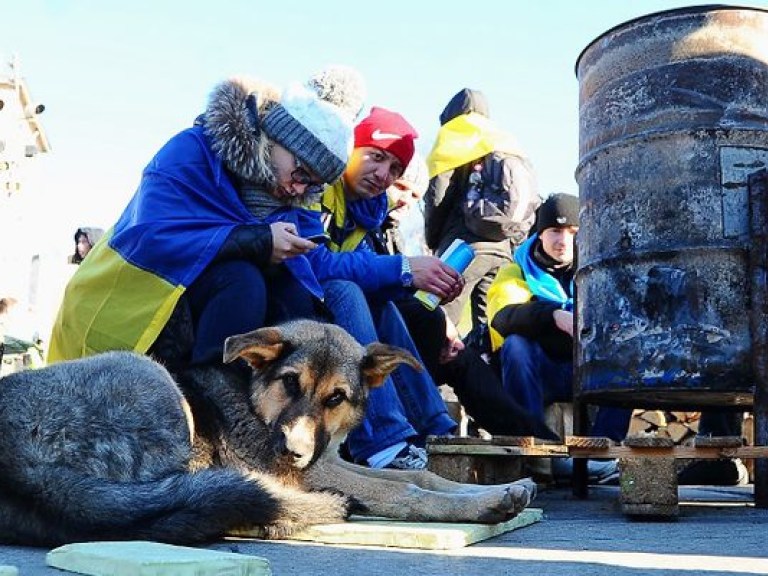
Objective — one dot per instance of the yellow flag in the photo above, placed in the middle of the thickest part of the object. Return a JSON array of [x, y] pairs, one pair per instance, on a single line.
[[466, 138]]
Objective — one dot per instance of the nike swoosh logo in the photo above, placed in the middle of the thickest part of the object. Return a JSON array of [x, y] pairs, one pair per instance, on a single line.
[[379, 135]]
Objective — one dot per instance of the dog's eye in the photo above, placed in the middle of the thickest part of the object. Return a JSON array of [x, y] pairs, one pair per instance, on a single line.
[[291, 384], [335, 399]]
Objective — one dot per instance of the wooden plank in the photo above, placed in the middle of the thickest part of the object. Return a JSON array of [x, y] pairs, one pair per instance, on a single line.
[[611, 452], [431, 535], [593, 442], [645, 449], [494, 440], [718, 441], [493, 450], [675, 452], [648, 442]]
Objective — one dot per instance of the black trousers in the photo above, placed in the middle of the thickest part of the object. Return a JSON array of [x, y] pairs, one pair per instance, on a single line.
[[476, 383]]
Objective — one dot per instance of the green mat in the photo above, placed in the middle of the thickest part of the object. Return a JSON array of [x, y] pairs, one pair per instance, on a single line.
[[363, 531], [138, 558]]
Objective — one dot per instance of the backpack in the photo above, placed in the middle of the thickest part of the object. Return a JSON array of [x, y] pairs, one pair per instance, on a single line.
[[500, 199]]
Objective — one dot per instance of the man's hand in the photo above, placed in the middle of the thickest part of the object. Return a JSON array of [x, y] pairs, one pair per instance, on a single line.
[[564, 321], [453, 343], [286, 243], [436, 277]]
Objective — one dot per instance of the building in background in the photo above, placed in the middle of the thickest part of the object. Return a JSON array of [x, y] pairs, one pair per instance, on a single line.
[[22, 143], [22, 136]]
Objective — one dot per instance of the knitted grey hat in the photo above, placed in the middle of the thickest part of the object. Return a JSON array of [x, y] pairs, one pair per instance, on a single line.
[[314, 123]]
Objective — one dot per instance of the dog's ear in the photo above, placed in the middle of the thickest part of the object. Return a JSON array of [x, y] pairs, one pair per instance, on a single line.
[[381, 359], [257, 348]]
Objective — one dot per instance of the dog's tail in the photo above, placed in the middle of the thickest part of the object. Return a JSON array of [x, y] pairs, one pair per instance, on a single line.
[[179, 508]]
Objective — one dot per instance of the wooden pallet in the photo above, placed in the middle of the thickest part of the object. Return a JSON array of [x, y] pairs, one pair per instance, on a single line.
[[591, 447], [648, 474]]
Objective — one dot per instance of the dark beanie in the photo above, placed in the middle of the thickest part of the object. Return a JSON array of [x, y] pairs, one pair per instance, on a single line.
[[558, 211]]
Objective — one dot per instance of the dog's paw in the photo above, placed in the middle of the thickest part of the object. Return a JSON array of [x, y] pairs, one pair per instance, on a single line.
[[509, 501], [326, 507], [529, 485], [520, 496], [338, 506]]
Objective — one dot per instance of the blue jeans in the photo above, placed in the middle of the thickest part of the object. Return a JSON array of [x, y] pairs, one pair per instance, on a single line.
[[408, 405], [535, 380], [230, 298]]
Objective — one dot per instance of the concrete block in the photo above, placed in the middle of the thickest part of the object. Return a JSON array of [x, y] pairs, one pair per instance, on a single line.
[[648, 487], [471, 469]]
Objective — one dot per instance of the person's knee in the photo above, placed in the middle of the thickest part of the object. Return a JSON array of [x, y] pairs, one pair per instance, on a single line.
[[229, 298], [234, 276], [344, 291], [519, 367], [516, 348]]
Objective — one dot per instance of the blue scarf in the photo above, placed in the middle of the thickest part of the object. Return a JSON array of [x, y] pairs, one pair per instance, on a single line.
[[369, 213], [542, 284]]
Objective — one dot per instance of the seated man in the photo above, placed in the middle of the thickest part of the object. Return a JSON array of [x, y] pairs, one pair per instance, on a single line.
[[400, 415], [530, 308]]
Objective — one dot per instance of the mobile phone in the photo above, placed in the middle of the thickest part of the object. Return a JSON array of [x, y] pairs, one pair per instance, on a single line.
[[319, 238]]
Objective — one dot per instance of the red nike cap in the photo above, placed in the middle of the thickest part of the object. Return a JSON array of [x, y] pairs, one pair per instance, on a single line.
[[388, 131]]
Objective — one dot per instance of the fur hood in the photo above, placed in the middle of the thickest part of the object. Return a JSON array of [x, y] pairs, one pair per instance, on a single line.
[[230, 126]]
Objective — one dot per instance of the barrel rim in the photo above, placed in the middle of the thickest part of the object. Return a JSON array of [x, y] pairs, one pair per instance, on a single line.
[[684, 9]]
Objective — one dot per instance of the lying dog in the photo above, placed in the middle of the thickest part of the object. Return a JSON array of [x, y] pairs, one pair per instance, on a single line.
[[108, 447]]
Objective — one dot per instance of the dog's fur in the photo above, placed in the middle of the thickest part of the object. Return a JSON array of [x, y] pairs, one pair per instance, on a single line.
[[107, 447]]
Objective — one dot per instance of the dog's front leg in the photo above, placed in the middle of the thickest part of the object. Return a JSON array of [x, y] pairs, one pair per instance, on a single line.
[[419, 496], [430, 480]]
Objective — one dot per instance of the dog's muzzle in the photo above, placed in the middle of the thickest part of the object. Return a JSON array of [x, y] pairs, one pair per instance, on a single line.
[[300, 441]]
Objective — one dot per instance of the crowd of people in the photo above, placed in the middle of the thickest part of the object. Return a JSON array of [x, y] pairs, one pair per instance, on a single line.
[[282, 204]]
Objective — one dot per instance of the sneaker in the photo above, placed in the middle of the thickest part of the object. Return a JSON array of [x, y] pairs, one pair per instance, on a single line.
[[726, 472], [599, 471], [409, 458]]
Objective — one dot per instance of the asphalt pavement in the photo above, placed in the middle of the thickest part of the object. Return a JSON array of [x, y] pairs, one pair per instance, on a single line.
[[718, 531]]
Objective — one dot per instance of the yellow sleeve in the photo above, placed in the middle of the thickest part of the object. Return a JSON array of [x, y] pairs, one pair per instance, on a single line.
[[509, 287]]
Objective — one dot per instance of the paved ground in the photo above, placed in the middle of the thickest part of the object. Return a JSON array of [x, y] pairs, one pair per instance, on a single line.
[[720, 533]]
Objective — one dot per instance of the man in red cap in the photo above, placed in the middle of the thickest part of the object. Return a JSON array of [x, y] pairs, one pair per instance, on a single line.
[[401, 413], [384, 145]]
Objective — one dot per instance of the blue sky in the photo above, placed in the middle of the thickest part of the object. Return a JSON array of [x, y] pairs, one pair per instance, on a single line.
[[119, 78]]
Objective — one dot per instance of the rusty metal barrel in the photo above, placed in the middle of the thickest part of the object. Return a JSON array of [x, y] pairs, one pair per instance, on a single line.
[[673, 150]]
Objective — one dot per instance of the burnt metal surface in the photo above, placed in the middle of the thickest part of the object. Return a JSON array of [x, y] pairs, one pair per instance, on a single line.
[[758, 267], [673, 122]]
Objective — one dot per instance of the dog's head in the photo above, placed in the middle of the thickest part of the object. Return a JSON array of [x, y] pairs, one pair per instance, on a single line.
[[310, 382]]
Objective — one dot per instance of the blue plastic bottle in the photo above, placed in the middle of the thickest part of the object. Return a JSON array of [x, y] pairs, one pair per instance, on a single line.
[[458, 256]]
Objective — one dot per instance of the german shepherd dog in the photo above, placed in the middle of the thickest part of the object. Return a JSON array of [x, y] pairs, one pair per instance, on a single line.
[[112, 448]]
